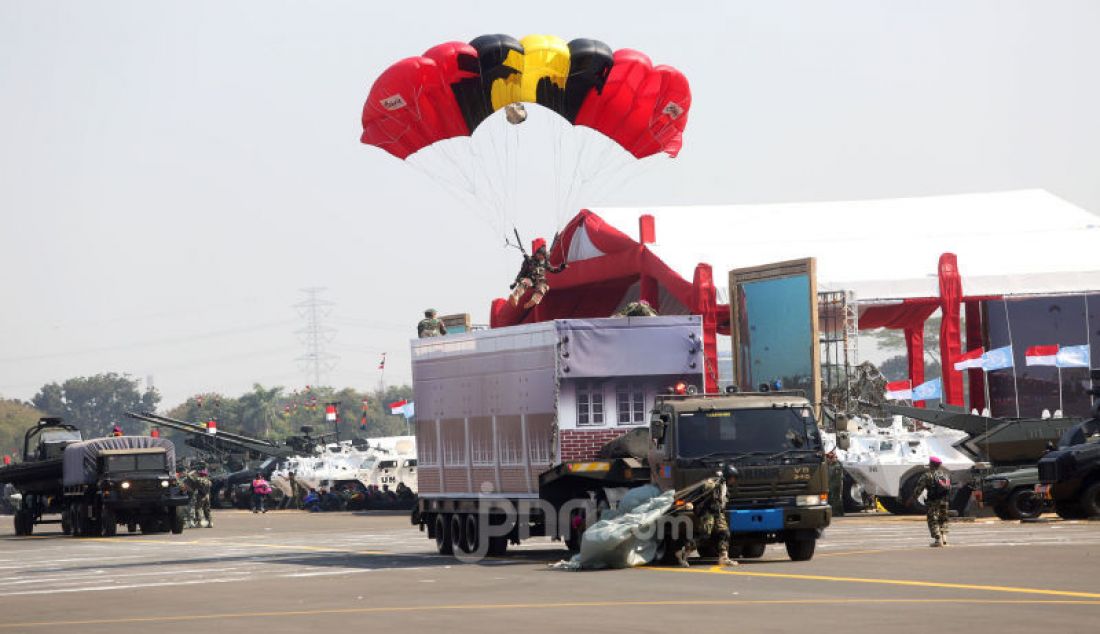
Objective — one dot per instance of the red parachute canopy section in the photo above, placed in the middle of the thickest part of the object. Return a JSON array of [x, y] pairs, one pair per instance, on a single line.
[[454, 86], [644, 109]]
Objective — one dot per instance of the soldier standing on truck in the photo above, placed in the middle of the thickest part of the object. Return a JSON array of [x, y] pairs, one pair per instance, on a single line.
[[430, 326], [937, 482], [713, 523]]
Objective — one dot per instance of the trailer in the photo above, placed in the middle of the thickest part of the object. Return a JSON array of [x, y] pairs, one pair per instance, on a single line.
[[527, 430]]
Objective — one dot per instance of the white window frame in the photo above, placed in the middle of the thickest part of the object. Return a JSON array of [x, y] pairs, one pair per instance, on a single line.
[[590, 396], [634, 406]]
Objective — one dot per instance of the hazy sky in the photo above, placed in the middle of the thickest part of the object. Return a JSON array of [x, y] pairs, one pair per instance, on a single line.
[[171, 174]]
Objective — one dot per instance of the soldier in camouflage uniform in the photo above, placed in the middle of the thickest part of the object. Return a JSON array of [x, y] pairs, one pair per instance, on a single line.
[[712, 523], [430, 326], [532, 274], [187, 488], [936, 501], [202, 485], [640, 308]]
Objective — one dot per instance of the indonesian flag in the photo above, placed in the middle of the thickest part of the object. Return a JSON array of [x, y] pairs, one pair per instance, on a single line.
[[970, 360], [330, 413], [1042, 355], [382, 363], [398, 407], [899, 391], [211, 426]]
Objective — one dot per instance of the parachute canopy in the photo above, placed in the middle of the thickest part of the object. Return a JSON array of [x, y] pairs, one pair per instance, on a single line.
[[453, 87]]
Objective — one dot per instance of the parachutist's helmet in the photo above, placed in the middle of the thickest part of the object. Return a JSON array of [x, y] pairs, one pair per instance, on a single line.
[[537, 245], [431, 312]]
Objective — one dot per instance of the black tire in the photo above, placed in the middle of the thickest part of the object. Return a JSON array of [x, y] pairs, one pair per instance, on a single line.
[[801, 549], [131, 527], [458, 537], [754, 550], [917, 506], [108, 525], [17, 520], [1069, 510], [1090, 500], [1023, 504], [66, 522], [442, 528], [471, 533], [852, 495], [77, 520], [176, 522], [1002, 512]]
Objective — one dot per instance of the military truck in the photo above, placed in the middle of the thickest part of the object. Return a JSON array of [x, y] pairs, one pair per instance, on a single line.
[[782, 492], [1070, 475], [37, 480], [123, 480]]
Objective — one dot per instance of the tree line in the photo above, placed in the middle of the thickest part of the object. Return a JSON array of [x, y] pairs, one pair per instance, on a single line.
[[96, 404]]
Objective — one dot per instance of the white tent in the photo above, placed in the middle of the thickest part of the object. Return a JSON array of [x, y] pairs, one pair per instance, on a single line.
[[1007, 243]]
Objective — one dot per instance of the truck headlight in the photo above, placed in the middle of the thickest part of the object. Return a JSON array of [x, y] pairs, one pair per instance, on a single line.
[[812, 500], [125, 485], [164, 484]]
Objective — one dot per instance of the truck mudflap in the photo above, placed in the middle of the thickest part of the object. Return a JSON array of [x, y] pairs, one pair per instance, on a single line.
[[774, 520]]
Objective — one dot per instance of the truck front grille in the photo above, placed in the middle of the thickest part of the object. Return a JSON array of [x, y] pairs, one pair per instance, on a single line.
[[770, 489]]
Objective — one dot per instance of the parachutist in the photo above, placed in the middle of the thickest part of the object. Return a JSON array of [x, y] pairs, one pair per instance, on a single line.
[[532, 274]]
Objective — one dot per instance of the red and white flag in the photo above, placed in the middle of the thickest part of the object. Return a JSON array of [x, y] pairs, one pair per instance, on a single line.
[[398, 407], [382, 363], [330, 413], [1042, 355], [211, 426], [899, 391], [970, 360]]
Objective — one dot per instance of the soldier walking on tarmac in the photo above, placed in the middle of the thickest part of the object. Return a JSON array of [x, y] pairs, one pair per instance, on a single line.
[[430, 326], [937, 481], [202, 485], [713, 523]]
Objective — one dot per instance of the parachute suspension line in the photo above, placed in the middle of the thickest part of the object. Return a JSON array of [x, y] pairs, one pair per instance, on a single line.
[[481, 165], [575, 192], [465, 197]]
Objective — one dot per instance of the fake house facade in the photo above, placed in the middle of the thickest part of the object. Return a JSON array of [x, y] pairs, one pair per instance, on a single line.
[[1016, 268]]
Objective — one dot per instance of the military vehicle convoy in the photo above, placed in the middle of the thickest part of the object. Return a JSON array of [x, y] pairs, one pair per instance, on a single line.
[[532, 430], [94, 485]]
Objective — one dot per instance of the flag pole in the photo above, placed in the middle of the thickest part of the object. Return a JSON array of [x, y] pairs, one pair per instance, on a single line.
[[1012, 349], [988, 401], [1059, 388], [1088, 342]]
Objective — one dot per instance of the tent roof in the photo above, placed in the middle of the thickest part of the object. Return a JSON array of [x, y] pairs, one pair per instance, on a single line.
[[1007, 243]]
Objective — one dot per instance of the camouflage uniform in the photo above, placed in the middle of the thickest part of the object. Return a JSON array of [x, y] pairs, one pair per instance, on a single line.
[[836, 484], [187, 487], [430, 327], [532, 274], [937, 506], [637, 309], [202, 486]]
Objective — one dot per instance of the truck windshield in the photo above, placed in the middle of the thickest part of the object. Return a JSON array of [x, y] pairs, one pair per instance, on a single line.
[[731, 432], [59, 435], [136, 462]]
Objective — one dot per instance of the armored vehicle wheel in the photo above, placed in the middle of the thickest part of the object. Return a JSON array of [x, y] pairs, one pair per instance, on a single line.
[[1090, 500], [176, 521], [108, 525], [755, 550], [801, 549], [442, 529], [906, 491], [1024, 504], [853, 495], [1068, 510], [893, 506]]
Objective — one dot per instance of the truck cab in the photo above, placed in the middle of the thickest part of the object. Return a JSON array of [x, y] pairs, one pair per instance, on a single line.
[[781, 494]]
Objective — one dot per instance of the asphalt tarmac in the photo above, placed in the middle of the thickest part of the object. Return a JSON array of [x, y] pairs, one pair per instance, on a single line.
[[291, 571]]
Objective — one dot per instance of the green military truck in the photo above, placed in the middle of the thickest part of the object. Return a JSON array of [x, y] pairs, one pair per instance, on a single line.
[[782, 492]]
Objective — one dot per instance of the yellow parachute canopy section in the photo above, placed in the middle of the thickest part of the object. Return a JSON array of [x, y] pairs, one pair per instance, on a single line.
[[545, 69]]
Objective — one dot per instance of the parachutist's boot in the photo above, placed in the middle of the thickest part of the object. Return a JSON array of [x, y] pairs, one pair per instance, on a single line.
[[724, 559]]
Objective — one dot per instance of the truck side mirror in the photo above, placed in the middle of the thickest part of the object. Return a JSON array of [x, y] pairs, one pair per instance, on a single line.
[[657, 428]]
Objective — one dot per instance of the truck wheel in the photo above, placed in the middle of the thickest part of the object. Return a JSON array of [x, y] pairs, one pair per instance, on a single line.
[[175, 519], [801, 549], [1024, 504], [893, 506], [471, 534], [905, 492], [442, 529], [755, 550], [131, 527], [1090, 500], [66, 523], [498, 546], [457, 532], [1002, 512], [17, 519]]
